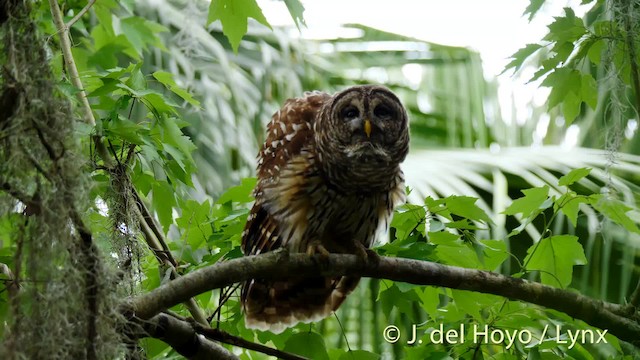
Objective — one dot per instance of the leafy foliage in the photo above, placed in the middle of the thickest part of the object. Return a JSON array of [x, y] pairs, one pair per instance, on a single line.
[[585, 61]]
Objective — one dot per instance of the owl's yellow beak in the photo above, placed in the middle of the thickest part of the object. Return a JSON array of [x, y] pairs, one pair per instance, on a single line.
[[367, 127]]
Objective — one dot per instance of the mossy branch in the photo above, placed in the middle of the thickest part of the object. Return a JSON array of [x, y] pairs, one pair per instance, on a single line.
[[280, 265]]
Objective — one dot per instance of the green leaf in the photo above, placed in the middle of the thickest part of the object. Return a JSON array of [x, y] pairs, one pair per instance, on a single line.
[[530, 203], [407, 218], [561, 53], [606, 28], [473, 303], [166, 79], [573, 176], [233, 15], [416, 250], [106, 56], [466, 207], [158, 103], [463, 224], [562, 81], [163, 201], [555, 257], [142, 33], [568, 28], [108, 86], [589, 91], [569, 204], [194, 222], [437, 207], [571, 107], [239, 194], [136, 81], [443, 238], [452, 251], [391, 297], [595, 52], [494, 253], [533, 8], [174, 142], [520, 56], [429, 299], [308, 344], [616, 211], [296, 9], [122, 128]]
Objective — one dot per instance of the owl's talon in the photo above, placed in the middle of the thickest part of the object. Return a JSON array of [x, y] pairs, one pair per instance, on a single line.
[[316, 248], [366, 254], [283, 251], [372, 256]]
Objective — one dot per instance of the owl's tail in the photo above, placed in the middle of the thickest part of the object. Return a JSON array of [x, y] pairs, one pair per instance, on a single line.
[[275, 306]]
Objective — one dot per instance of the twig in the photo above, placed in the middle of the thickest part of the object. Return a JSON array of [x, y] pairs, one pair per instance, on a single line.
[[151, 222], [225, 337], [130, 153], [65, 45], [79, 14], [280, 265]]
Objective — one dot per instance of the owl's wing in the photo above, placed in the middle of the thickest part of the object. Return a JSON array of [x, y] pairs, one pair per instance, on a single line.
[[288, 133]]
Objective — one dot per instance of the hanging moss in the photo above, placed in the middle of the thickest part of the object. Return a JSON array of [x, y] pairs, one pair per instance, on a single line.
[[63, 308]]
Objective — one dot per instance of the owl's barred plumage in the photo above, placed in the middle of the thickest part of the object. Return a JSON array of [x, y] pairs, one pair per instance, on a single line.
[[328, 178]]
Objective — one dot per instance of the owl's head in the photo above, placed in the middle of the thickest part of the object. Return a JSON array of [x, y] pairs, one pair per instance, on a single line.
[[362, 136]]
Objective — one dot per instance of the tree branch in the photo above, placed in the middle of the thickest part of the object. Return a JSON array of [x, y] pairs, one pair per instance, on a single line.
[[65, 45], [80, 14], [224, 337], [74, 77], [280, 265], [145, 216], [181, 336]]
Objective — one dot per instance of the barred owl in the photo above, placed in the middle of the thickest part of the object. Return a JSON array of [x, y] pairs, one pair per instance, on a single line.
[[328, 180]]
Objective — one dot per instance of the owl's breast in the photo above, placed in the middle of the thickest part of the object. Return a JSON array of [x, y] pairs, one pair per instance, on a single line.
[[309, 208]]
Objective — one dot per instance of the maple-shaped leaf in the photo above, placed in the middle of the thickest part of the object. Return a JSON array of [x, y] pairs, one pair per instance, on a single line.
[[234, 15]]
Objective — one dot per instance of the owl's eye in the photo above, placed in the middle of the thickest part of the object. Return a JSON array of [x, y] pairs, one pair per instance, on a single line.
[[349, 112], [382, 111]]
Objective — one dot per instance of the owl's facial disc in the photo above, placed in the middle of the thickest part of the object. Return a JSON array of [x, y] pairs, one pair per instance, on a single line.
[[367, 127], [360, 128]]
